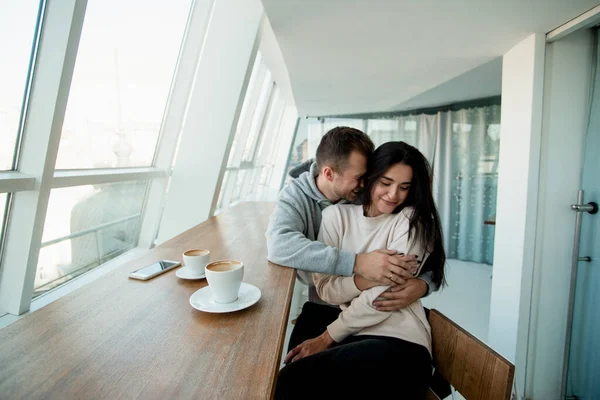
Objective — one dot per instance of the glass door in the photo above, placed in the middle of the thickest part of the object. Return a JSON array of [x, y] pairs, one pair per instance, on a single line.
[[583, 374]]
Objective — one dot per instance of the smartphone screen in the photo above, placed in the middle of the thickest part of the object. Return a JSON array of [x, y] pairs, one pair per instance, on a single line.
[[155, 268]]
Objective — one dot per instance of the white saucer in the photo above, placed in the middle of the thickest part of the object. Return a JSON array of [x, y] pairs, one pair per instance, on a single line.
[[202, 300], [186, 273]]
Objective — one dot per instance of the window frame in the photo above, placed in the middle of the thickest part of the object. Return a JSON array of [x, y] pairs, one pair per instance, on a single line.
[[33, 176]]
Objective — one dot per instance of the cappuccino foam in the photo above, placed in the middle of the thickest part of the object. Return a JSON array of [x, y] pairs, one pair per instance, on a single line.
[[222, 266], [196, 253]]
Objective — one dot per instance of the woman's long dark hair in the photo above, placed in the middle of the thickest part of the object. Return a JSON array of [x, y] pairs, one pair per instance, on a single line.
[[425, 220]]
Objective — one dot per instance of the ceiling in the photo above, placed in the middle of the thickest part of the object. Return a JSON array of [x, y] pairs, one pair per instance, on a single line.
[[356, 56]]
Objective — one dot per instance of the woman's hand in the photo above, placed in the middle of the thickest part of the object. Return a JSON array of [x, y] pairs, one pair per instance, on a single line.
[[309, 347], [386, 267]]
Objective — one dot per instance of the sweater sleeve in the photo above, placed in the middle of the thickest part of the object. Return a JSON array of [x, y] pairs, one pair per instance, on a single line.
[[360, 314], [287, 244], [333, 289]]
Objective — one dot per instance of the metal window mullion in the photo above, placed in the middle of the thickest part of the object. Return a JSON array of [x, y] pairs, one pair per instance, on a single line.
[[274, 140], [174, 117], [102, 176], [259, 116], [245, 125], [29, 80], [247, 109], [292, 141], [254, 63], [270, 143], [53, 72], [12, 181], [278, 131], [264, 124]]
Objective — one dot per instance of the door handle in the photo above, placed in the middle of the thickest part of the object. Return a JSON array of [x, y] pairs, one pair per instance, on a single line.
[[590, 207]]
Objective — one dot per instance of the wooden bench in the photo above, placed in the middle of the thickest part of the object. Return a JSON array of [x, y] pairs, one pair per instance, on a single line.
[[469, 365]]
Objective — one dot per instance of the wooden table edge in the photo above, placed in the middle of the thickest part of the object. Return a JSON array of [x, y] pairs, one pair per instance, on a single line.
[[283, 330]]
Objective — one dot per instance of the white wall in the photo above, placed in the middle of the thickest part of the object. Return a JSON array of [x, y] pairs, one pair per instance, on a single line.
[[212, 112], [522, 89], [466, 299], [566, 105]]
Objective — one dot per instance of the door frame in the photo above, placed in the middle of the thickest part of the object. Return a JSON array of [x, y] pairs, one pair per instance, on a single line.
[[565, 115]]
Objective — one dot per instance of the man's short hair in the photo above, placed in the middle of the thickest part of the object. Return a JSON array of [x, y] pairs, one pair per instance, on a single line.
[[337, 145]]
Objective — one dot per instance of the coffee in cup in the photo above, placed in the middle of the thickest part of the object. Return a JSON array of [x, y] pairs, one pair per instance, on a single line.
[[196, 260], [224, 279]]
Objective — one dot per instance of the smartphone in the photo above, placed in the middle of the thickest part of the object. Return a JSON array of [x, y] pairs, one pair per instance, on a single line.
[[152, 270]]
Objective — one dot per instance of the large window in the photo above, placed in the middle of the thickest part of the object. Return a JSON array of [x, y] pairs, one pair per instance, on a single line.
[[262, 134], [96, 192], [18, 21], [94, 98], [125, 62], [85, 227], [117, 99]]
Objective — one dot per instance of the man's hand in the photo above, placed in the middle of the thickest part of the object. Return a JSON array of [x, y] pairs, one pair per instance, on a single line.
[[400, 296], [309, 347], [385, 267]]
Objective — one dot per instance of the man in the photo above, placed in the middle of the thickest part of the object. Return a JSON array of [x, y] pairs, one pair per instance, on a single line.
[[335, 177]]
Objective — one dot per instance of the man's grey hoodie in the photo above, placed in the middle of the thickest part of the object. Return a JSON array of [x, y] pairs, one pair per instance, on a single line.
[[294, 227]]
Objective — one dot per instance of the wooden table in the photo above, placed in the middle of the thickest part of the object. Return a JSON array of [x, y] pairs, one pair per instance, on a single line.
[[121, 338]]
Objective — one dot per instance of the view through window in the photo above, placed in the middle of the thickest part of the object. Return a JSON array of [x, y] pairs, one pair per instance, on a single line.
[[85, 227], [121, 81], [257, 141], [125, 63]]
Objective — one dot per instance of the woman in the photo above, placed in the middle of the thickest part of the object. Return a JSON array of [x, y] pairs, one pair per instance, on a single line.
[[387, 353]]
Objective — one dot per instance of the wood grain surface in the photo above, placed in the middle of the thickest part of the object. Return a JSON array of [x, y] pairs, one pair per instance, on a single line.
[[119, 338], [472, 367]]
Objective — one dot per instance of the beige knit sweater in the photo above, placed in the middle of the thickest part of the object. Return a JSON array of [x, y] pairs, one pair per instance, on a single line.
[[345, 227]]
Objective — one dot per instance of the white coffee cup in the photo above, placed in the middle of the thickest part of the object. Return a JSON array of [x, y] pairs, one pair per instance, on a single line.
[[196, 260], [224, 279]]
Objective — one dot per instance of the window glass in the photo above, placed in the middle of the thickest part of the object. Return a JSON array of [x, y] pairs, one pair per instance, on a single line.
[[17, 29], [257, 141], [86, 226], [121, 81]]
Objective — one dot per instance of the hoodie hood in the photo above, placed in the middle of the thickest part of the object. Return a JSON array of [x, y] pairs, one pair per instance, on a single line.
[[307, 184], [300, 169]]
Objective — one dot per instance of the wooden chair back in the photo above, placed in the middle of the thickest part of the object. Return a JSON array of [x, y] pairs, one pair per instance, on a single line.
[[473, 368]]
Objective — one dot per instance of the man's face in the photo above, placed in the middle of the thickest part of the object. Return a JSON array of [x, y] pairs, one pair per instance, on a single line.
[[347, 185]]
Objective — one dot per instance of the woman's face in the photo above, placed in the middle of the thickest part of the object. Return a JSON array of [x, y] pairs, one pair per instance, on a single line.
[[390, 190]]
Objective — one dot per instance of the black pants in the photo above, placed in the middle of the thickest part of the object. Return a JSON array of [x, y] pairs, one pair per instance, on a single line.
[[311, 322], [360, 367]]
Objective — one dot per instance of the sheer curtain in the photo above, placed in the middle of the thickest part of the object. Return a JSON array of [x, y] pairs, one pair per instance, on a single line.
[[465, 164], [462, 147]]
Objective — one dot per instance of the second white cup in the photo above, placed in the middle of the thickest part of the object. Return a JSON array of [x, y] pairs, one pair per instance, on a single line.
[[224, 279], [196, 260]]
